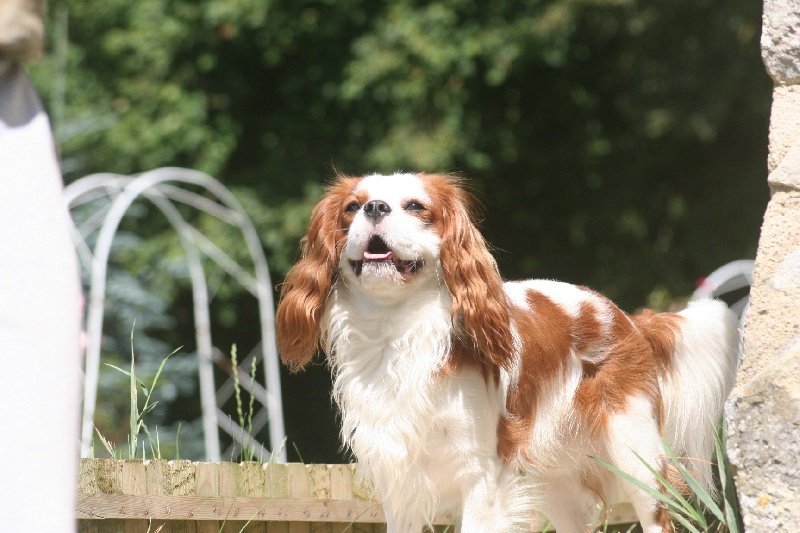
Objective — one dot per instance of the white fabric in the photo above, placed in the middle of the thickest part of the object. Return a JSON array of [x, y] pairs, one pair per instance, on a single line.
[[39, 321]]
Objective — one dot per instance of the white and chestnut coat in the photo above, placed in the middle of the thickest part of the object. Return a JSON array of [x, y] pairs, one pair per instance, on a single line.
[[460, 392]]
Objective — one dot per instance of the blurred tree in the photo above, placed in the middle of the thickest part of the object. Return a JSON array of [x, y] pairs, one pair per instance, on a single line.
[[603, 131], [619, 144]]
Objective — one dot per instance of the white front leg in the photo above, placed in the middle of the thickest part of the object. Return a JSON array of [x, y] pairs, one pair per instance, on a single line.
[[480, 507]]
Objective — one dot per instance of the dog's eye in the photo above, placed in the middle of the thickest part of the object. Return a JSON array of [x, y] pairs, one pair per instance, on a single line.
[[413, 205], [353, 207]]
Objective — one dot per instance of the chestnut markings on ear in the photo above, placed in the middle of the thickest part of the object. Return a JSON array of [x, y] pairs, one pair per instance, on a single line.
[[308, 283], [480, 305]]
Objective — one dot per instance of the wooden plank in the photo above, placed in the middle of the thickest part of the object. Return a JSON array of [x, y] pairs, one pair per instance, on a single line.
[[299, 527], [297, 480], [177, 526], [206, 479], [87, 477], [157, 474], [254, 485], [108, 476], [133, 482], [186, 497], [232, 508], [253, 482], [182, 480], [341, 482], [198, 509], [322, 527], [158, 478], [230, 483], [277, 480], [319, 481], [277, 527], [111, 526], [98, 506], [228, 478], [89, 526], [362, 488], [133, 477], [207, 484]]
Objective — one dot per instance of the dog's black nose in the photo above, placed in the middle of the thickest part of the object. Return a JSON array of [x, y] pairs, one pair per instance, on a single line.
[[376, 210]]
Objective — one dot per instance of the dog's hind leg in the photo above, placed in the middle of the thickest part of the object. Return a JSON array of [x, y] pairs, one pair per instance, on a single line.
[[634, 443]]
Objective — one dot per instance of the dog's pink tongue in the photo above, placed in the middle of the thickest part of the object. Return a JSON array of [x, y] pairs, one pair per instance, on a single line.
[[387, 256]]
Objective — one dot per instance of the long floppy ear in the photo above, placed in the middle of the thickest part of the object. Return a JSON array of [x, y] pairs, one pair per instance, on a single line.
[[480, 305], [308, 283]]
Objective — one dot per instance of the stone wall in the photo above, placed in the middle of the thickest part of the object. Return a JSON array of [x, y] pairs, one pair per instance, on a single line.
[[764, 409]]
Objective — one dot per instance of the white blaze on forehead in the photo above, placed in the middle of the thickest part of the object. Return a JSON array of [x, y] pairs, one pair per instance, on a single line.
[[393, 189]]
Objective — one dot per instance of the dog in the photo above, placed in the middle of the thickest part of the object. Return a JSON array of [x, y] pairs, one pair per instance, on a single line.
[[461, 392]]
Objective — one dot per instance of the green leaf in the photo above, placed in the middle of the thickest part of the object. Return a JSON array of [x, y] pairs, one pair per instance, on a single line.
[[146, 410], [118, 369]]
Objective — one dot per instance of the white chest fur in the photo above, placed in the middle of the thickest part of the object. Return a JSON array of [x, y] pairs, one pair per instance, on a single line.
[[420, 434]]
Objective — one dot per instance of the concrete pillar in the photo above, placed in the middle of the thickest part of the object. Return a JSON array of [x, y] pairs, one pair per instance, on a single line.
[[764, 409]]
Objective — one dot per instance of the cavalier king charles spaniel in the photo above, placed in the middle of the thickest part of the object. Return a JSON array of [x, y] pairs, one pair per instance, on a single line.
[[488, 399]]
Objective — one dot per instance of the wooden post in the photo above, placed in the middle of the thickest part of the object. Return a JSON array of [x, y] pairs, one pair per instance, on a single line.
[[207, 484]]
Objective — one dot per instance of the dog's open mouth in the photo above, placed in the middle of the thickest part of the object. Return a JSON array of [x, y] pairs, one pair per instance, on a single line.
[[378, 254]]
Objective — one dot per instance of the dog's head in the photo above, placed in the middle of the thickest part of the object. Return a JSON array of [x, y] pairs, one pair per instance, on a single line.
[[386, 236], [393, 235]]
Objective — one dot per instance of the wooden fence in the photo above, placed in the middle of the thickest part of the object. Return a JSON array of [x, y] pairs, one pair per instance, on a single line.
[[184, 497]]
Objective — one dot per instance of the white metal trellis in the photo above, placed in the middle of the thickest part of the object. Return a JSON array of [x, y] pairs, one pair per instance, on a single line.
[[163, 188]]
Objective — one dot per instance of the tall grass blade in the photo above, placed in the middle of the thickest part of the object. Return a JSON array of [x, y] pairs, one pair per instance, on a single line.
[[731, 515], [690, 515], [251, 407], [693, 484], [177, 443], [682, 502], [687, 524], [655, 493], [686, 507], [297, 450], [244, 436], [254, 515], [107, 445], [137, 416]]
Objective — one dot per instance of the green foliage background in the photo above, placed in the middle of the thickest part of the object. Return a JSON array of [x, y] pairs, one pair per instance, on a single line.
[[619, 144]]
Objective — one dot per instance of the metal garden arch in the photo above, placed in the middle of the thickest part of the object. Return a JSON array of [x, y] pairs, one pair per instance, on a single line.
[[162, 187]]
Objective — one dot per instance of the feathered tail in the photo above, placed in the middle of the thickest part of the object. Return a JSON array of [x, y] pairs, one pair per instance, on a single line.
[[697, 383]]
